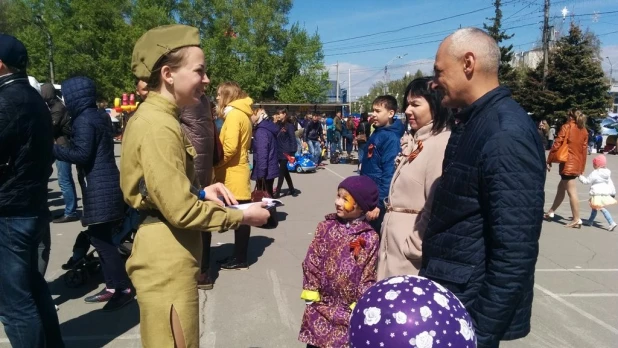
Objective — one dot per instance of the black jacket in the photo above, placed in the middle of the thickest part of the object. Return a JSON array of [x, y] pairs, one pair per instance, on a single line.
[[91, 148], [61, 122], [482, 241], [365, 128], [25, 148], [313, 131], [286, 140]]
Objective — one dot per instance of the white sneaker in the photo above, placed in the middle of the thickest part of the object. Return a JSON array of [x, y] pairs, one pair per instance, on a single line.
[[612, 226]]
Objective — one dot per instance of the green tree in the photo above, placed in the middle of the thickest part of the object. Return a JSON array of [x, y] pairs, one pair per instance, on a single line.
[[576, 75], [506, 74], [302, 78], [247, 41], [575, 79]]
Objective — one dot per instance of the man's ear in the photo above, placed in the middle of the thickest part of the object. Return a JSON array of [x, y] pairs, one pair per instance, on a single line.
[[469, 60]]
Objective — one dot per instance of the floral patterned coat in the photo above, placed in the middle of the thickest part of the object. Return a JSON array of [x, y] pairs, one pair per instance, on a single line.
[[339, 267]]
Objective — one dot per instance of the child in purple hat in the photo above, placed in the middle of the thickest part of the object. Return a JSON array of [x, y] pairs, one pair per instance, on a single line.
[[340, 265]]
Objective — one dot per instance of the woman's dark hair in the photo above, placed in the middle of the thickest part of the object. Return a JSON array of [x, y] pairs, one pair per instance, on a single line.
[[421, 87], [284, 111], [364, 117]]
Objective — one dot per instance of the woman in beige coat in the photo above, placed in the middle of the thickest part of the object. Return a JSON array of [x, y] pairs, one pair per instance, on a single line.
[[418, 168]]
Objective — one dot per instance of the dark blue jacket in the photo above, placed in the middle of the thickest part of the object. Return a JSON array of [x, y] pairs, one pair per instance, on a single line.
[[286, 141], [313, 131], [379, 162], [25, 148], [92, 149], [265, 164], [482, 240]]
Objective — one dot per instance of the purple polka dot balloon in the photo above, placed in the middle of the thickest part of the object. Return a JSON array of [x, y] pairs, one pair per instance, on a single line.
[[410, 311]]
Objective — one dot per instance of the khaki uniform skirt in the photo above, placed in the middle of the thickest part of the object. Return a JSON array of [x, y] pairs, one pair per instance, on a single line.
[[163, 267]]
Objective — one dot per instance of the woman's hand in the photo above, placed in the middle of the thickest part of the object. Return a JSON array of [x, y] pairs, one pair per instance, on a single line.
[[372, 215], [255, 215], [213, 192]]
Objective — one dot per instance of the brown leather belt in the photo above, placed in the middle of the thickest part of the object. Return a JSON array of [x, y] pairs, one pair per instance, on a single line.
[[390, 208]]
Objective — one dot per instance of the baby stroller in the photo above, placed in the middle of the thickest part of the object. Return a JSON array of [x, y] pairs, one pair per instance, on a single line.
[[90, 264]]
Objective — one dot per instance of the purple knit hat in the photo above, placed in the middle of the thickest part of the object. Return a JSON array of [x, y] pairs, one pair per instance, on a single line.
[[363, 190]]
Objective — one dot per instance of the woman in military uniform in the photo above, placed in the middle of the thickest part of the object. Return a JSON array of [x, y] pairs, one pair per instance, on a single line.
[[157, 178]]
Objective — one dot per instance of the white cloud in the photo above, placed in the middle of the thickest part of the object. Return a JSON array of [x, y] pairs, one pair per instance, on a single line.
[[363, 77]]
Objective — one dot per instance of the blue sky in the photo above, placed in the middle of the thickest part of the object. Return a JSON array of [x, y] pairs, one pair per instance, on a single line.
[[338, 21]]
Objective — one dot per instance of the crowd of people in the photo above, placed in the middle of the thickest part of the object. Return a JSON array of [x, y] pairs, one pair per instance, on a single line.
[[455, 194]]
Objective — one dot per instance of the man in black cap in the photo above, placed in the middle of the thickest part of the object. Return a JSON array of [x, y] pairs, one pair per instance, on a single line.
[[26, 307]]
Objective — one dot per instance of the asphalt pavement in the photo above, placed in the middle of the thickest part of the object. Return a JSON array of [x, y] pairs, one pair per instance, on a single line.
[[576, 291]]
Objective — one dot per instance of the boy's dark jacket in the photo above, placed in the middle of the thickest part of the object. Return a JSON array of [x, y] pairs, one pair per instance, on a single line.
[[379, 162]]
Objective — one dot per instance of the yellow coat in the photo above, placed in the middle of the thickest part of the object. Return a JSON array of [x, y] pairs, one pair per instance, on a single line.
[[233, 170], [155, 149]]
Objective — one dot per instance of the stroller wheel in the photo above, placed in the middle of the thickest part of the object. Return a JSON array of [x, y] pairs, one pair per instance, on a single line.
[[75, 278], [94, 267], [299, 169]]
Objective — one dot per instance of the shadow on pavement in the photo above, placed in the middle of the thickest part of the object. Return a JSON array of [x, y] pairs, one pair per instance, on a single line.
[[58, 287], [257, 246], [54, 195], [102, 327], [282, 216]]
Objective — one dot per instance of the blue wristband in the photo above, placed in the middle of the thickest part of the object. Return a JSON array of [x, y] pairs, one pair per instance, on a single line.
[[202, 195]]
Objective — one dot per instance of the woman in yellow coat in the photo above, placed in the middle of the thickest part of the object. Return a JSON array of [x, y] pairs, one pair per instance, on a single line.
[[233, 170], [157, 178]]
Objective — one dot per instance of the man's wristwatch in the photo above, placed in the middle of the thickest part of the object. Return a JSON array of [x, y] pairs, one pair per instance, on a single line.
[[201, 195]]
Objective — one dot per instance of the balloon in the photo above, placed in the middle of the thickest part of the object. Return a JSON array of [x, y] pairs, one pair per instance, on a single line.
[[410, 311], [329, 121]]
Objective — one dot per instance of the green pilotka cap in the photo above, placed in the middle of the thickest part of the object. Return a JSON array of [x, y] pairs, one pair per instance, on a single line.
[[156, 43]]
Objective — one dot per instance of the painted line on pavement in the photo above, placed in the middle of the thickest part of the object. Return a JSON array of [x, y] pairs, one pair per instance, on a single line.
[[589, 295], [577, 270], [332, 171], [577, 309], [280, 300]]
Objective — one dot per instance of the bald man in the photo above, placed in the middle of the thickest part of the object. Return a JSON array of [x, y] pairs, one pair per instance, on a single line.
[[482, 240]]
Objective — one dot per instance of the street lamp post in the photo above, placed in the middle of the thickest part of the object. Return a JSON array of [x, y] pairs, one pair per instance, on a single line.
[[611, 71], [386, 74], [50, 46]]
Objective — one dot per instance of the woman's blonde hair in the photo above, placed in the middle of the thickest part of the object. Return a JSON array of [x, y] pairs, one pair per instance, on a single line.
[[229, 91], [578, 117]]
